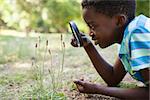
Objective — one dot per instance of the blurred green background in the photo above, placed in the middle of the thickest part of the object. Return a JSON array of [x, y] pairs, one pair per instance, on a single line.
[[47, 16]]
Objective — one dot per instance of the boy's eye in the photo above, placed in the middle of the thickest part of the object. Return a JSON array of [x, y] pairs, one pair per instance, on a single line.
[[91, 27]]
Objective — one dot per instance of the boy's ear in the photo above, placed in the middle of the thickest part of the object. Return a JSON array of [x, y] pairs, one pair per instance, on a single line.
[[121, 20]]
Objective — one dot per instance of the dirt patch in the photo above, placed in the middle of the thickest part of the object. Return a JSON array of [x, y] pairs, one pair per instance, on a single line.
[[23, 67], [75, 95]]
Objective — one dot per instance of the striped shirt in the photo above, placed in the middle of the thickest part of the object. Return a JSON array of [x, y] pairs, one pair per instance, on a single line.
[[135, 47]]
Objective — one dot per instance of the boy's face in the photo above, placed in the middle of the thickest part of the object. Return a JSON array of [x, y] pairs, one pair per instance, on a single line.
[[103, 29]]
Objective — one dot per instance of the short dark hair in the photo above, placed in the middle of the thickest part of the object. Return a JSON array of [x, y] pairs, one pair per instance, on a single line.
[[112, 7]]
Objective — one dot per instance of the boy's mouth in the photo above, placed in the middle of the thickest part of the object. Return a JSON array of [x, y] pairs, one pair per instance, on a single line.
[[96, 42]]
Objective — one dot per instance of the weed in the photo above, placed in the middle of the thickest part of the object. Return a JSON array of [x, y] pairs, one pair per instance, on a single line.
[[44, 88]]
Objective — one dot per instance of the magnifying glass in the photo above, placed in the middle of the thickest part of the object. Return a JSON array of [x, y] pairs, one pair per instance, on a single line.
[[76, 33]]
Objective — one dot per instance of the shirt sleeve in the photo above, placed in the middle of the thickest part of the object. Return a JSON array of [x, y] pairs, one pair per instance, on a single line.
[[139, 46]]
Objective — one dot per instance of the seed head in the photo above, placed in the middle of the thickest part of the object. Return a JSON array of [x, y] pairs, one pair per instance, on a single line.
[[49, 51], [49, 70], [64, 44], [39, 39], [61, 37], [46, 42], [36, 45]]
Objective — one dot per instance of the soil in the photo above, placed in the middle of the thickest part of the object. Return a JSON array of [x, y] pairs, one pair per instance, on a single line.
[[75, 95], [71, 94]]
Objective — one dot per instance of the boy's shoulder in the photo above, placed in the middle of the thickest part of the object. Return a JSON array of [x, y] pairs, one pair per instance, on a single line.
[[135, 46], [138, 28], [140, 22]]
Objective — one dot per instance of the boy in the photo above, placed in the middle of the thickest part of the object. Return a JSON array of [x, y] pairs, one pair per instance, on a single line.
[[114, 21]]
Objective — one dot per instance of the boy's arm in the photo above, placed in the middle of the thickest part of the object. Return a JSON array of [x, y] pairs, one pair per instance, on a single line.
[[130, 94], [122, 93], [112, 75], [146, 75]]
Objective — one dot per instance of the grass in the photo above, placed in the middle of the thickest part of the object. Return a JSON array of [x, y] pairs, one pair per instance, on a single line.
[[24, 50], [55, 74], [15, 48], [21, 66]]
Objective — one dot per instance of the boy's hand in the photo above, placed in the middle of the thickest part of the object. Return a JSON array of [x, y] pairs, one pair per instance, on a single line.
[[84, 38], [86, 87]]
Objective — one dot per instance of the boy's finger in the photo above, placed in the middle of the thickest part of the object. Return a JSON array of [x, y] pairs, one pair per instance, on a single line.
[[78, 82], [80, 88], [82, 79], [74, 43], [82, 34]]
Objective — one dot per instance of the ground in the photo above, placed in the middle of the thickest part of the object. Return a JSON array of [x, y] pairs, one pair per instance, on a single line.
[[72, 94], [17, 72]]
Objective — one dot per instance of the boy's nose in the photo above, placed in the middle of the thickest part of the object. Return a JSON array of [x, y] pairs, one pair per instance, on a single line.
[[91, 33]]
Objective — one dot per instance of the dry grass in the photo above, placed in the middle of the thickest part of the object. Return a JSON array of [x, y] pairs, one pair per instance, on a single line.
[[16, 76]]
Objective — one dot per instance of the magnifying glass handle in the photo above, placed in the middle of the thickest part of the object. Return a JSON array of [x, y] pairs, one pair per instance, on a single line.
[[76, 33]]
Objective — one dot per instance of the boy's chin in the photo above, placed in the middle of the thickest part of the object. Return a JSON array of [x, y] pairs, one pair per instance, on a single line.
[[103, 46]]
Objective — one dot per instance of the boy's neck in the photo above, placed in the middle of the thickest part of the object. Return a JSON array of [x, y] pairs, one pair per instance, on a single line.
[[122, 31]]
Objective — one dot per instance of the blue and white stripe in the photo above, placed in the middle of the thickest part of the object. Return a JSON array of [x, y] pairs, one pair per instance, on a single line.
[[135, 47], [140, 45]]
